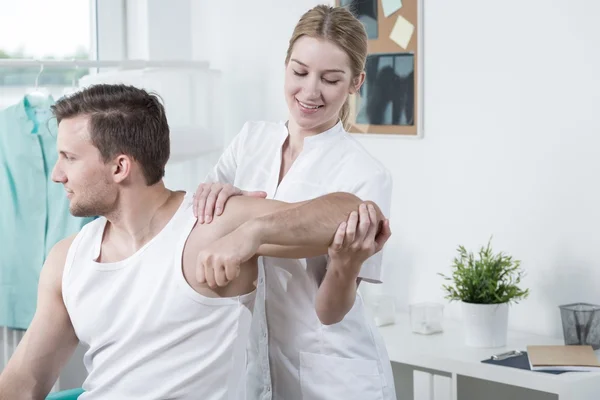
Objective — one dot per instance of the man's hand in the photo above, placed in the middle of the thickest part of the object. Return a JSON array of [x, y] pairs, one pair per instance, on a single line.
[[358, 239], [219, 263]]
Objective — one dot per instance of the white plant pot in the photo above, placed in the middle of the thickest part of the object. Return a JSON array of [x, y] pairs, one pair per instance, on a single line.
[[486, 325]]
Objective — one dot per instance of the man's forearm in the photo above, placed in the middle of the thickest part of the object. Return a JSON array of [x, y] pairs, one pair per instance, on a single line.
[[312, 223], [336, 294]]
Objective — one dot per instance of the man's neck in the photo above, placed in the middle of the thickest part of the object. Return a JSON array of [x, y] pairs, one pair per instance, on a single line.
[[141, 213]]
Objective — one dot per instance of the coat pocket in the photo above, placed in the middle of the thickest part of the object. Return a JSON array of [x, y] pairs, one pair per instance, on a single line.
[[325, 377]]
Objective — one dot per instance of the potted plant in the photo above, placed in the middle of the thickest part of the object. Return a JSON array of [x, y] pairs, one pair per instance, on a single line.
[[485, 286]]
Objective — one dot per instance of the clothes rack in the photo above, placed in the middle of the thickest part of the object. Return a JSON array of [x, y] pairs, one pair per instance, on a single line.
[[124, 64]]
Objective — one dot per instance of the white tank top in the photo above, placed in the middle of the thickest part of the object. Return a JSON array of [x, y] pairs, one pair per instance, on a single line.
[[150, 335]]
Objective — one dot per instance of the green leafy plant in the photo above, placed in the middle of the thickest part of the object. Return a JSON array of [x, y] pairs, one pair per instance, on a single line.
[[488, 279]]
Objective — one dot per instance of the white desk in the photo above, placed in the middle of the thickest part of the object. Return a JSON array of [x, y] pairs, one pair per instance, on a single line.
[[446, 352]]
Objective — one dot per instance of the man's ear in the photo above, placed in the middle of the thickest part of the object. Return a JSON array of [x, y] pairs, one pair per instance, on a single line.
[[357, 82], [122, 165]]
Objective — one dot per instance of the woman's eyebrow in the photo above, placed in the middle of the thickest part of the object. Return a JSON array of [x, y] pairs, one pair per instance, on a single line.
[[327, 70]]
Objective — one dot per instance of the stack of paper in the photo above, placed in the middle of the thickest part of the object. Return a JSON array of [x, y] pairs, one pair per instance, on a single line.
[[562, 358]]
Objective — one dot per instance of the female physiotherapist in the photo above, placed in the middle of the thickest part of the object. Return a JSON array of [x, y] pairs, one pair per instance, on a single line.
[[311, 338]]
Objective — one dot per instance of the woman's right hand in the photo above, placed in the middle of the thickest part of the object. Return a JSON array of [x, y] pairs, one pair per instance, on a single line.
[[210, 199]]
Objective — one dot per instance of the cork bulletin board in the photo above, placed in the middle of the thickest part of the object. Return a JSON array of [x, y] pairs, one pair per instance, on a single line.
[[390, 100]]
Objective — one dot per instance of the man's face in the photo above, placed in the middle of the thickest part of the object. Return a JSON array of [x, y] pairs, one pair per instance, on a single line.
[[86, 178]]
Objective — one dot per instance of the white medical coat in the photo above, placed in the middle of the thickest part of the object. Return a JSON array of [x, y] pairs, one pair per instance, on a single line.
[[291, 355]]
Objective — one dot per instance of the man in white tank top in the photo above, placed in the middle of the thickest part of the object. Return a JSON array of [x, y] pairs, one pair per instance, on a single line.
[[163, 304]]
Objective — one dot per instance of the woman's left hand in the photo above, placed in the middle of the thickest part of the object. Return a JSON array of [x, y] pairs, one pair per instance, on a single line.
[[357, 239]]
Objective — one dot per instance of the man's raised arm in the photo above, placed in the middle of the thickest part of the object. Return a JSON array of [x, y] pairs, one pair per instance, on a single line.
[[306, 229], [276, 229]]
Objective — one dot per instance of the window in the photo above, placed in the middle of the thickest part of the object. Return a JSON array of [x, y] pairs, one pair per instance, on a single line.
[[43, 30]]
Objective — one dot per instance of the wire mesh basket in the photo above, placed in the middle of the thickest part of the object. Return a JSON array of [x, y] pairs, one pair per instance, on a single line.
[[581, 324]]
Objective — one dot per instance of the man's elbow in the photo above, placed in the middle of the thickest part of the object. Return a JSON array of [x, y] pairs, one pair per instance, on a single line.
[[344, 198], [352, 201]]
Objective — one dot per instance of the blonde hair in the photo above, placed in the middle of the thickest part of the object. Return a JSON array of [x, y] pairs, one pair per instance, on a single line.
[[341, 27]]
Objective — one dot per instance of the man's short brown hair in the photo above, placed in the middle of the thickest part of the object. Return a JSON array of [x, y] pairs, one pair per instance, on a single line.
[[123, 120]]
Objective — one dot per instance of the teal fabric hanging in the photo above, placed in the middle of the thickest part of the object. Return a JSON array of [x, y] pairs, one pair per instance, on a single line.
[[34, 211]]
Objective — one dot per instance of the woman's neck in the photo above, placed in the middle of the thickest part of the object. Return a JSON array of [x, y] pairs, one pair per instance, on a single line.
[[297, 134]]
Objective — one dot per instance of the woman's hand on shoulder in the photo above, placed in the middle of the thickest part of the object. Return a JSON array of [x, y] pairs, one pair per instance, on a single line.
[[210, 199]]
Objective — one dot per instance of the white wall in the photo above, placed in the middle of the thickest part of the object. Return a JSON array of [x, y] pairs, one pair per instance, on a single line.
[[247, 40], [510, 148]]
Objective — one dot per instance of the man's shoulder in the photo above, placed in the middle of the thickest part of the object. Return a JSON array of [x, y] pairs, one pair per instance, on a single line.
[[57, 256], [61, 248], [54, 265]]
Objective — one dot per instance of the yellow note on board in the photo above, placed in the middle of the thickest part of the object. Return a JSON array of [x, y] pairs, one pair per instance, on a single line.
[[402, 32]]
